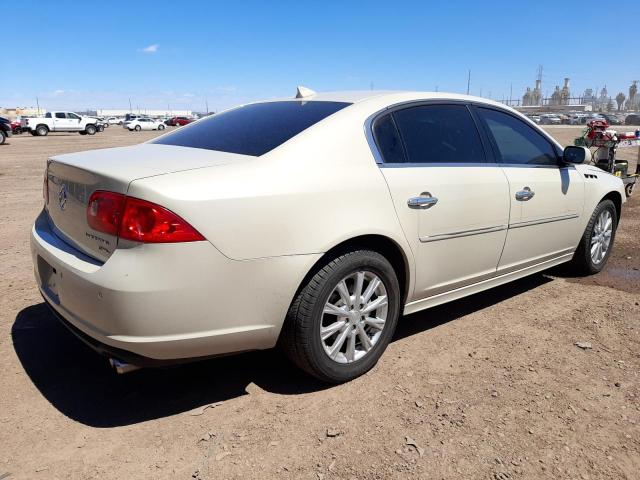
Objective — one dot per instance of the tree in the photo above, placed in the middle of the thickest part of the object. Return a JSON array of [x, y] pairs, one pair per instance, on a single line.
[[610, 105], [620, 98]]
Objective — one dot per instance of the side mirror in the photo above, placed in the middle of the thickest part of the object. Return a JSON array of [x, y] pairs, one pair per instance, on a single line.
[[573, 154]]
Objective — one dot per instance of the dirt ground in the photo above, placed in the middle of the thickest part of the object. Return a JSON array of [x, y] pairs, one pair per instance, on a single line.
[[489, 387]]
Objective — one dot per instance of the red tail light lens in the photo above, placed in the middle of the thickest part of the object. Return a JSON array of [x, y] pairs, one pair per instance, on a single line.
[[150, 223], [104, 211], [137, 220]]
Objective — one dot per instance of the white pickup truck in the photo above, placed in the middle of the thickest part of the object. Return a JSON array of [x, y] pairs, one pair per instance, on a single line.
[[61, 122]]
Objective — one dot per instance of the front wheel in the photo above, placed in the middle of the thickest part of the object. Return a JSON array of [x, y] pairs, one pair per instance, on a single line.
[[3, 137], [160, 127], [628, 189], [344, 316], [597, 240], [138, 128]]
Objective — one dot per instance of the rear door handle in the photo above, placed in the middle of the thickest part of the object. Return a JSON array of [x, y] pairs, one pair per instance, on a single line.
[[525, 194], [425, 200]]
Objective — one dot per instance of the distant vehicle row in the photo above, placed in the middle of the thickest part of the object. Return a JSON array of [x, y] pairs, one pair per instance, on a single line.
[[582, 118]]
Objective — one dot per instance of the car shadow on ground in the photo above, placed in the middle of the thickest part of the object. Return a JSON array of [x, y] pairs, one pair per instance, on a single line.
[[82, 386]]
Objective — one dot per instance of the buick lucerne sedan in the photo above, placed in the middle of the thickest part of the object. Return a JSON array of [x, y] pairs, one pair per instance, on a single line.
[[310, 223]]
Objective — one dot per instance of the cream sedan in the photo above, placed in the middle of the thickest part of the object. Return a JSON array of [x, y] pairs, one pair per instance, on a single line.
[[311, 223]]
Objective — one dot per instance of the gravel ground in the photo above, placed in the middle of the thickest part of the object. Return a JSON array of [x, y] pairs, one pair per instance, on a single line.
[[490, 387]]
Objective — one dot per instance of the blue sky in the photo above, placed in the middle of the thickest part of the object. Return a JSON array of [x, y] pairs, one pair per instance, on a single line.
[[80, 55]]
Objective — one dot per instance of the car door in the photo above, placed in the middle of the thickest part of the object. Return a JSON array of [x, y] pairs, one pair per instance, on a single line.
[[60, 121], [546, 196], [74, 121], [453, 206]]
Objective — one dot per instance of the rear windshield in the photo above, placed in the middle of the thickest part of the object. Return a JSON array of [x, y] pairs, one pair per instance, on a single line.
[[253, 129]]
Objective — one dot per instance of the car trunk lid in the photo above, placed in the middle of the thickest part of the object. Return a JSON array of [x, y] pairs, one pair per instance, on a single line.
[[72, 178]]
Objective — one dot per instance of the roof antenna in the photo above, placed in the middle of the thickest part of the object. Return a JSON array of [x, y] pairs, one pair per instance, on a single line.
[[303, 92]]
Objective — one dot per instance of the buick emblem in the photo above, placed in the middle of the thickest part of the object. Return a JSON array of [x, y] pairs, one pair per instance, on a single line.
[[62, 196]]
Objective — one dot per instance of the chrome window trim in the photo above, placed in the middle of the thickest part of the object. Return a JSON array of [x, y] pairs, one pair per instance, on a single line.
[[463, 233]]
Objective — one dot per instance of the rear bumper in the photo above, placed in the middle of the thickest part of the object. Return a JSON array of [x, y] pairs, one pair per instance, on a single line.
[[166, 302]]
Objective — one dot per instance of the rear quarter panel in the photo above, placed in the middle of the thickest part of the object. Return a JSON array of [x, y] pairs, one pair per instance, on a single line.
[[309, 194]]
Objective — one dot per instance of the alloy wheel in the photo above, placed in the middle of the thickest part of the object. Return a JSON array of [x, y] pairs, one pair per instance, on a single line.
[[601, 236], [354, 316]]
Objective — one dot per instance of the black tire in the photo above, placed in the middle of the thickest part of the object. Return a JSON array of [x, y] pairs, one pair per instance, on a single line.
[[160, 127], [582, 263], [3, 137], [300, 339], [42, 130], [137, 128], [90, 129], [628, 189]]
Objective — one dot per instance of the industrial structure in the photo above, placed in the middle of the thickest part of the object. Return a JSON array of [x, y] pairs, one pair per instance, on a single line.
[[561, 99]]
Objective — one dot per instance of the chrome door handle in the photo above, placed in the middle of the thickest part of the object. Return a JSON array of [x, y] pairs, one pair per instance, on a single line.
[[425, 200], [525, 194]]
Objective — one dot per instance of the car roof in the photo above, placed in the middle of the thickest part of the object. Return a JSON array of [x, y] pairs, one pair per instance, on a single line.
[[376, 99]]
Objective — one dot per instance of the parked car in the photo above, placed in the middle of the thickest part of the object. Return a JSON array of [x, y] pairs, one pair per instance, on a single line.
[[312, 224], [60, 122], [145, 124], [5, 130], [535, 118], [633, 119], [578, 119], [611, 118], [179, 121], [114, 121], [550, 119], [16, 128]]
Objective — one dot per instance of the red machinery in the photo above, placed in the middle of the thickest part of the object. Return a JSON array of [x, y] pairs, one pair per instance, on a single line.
[[606, 142]]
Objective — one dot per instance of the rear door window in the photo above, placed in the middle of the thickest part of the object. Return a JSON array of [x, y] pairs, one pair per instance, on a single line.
[[438, 134], [252, 129]]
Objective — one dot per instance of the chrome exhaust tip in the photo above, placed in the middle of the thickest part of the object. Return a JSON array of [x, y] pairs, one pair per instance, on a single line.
[[122, 367]]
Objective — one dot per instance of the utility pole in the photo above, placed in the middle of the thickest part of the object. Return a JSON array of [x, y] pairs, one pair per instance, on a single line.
[[371, 86], [510, 93], [468, 81], [206, 102], [38, 105], [130, 105]]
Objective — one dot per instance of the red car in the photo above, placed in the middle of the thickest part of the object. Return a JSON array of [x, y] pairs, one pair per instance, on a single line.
[[16, 128], [179, 121]]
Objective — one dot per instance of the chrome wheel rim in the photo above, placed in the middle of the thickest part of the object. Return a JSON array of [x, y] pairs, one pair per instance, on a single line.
[[601, 236], [354, 317]]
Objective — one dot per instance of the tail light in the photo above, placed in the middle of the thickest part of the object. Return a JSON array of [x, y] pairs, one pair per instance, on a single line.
[[137, 220]]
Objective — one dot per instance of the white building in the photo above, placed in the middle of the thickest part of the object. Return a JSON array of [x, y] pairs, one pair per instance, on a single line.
[[144, 111]]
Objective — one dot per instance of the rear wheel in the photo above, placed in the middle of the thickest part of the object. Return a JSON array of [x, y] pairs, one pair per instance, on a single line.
[[343, 317], [597, 241], [3, 137], [90, 129], [160, 127], [138, 128], [42, 130]]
